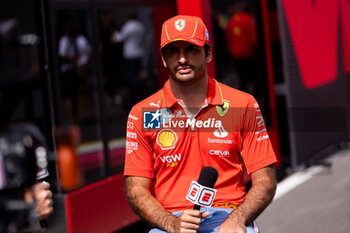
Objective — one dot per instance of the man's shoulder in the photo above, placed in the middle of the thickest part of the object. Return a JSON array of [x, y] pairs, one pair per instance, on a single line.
[[234, 95], [133, 24]]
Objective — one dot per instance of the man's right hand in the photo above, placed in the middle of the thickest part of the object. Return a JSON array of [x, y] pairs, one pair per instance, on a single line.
[[141, 200], [189, 221], [42, 196]]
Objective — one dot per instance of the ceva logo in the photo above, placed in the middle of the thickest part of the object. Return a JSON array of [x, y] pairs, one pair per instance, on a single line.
[[220, 153]]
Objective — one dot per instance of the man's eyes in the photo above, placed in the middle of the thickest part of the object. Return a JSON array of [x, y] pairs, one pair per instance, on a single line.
[[192, 48], [173, 50]]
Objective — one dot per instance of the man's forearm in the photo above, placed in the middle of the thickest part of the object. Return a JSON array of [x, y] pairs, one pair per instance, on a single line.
[[148, 207], [257, 199]]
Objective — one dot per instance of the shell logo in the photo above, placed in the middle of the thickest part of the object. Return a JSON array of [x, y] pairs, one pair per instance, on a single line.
[[166, 139]]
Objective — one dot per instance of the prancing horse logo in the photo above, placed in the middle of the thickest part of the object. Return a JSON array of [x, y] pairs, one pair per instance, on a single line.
[[180, 24], [223, 109]]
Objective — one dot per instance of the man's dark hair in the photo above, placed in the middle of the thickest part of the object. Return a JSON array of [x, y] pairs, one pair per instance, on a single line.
[[206, 49]]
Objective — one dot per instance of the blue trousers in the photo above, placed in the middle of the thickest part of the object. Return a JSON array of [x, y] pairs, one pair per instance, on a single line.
[[210, 224]]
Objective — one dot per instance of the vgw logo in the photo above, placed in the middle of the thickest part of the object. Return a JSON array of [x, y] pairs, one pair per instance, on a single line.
[[171, 160]]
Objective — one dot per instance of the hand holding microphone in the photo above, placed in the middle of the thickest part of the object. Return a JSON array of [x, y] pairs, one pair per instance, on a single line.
[[201, 193], [41, 190], [43, 199]]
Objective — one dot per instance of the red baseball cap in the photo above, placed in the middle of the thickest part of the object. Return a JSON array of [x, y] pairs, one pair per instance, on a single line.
[[184, 28]]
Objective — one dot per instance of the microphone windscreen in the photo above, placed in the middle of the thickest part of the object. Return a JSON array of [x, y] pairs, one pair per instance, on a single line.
[[208, 177]]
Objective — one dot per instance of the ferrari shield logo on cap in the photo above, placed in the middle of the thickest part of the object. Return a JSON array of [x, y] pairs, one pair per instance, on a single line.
[[223, 109], [180, 24]]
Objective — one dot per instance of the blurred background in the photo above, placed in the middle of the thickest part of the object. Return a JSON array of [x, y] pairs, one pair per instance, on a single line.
[[65, 67]]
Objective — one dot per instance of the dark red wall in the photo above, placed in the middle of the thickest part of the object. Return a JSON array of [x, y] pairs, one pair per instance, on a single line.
[[315, 45]]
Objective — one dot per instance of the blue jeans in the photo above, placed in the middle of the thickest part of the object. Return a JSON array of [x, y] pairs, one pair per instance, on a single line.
[[210, 224]]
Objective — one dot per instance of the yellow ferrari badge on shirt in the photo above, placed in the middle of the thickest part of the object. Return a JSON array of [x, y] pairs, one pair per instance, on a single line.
[[223, 109]]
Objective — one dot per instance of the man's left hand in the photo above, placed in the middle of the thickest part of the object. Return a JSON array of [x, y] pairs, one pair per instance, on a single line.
[[232, 226]]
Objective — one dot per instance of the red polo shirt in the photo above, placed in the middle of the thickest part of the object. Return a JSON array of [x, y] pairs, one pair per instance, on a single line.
[[228, 133]]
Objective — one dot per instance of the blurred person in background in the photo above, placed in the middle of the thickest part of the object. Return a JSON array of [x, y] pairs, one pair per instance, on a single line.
[[111, 56], [39, 194], [74, 51], [241, 40], [132, 35], [19, 69]]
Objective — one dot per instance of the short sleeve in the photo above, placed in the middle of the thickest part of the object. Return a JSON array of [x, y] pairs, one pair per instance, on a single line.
[[138, 151], [256, 151]]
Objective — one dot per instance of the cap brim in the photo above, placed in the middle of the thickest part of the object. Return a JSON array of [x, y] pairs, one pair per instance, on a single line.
[[190, 40]]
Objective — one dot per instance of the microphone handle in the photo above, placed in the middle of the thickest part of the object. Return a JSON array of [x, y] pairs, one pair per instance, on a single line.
[[44, 223], [196, 207]]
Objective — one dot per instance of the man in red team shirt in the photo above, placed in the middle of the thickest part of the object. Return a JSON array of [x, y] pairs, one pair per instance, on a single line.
[[192, 122]]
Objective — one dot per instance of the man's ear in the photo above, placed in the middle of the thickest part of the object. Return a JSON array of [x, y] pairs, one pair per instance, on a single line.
[[209, 56], [163, 60]]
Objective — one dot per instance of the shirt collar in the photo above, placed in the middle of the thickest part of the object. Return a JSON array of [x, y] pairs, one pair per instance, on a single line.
[[214, 96]]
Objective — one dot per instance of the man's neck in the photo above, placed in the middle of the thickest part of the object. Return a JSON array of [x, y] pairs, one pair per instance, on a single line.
[[191, 95]]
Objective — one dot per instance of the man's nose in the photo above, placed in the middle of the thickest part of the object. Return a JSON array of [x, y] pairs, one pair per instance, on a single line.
[[182, 56]]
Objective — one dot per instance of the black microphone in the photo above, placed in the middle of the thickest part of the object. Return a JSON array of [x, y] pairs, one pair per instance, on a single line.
[[44, 223], [41, 175], [207, 178]]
